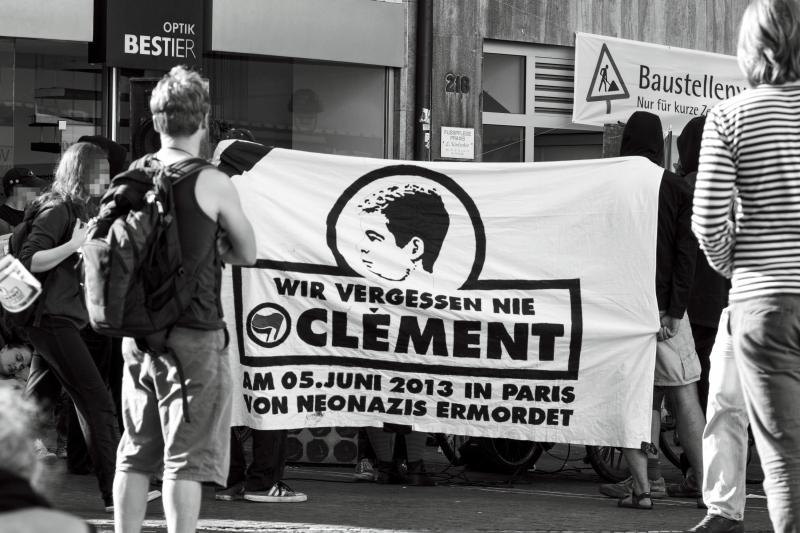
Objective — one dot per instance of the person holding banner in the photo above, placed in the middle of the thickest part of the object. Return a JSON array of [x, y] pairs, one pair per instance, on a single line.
[[677, 366], [261, 480], [751, 144]]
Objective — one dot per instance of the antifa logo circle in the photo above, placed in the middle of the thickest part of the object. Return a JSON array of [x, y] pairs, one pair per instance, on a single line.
[[268, 325]]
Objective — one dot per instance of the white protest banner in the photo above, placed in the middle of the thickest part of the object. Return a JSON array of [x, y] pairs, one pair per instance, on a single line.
[[615, 77], [506, 300]]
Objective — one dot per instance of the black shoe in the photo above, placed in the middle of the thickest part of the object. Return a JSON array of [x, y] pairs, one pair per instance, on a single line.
[[700, 503], [417, 476], [717, 524], [387, 473]]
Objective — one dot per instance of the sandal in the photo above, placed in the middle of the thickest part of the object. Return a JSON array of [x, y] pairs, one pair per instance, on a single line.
[[634, 501]]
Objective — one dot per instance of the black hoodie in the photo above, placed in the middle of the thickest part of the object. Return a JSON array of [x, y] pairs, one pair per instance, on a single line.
[[689, 144], [709, 294], [676, 247]]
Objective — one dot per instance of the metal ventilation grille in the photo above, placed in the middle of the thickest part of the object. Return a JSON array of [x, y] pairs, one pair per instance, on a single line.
[[554, 83]]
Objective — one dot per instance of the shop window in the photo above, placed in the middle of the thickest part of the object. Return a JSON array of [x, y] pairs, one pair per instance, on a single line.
[[327, 108], [51, 96]]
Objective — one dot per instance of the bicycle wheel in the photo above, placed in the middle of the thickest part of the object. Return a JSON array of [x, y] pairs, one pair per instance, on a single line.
[[670, 446], [668, 441], [608, 462], [451, 446], [505, 456], [510, 455]]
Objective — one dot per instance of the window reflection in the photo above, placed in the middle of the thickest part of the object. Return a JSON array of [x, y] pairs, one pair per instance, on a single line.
[[503, 83], [503, 144]]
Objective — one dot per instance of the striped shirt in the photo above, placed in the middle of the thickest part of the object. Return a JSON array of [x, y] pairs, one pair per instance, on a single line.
[[751, 145]]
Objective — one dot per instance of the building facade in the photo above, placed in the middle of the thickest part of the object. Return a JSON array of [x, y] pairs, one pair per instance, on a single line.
[[335, 76]]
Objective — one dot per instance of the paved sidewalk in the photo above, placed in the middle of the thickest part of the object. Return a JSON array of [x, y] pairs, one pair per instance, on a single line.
[[561, 495]]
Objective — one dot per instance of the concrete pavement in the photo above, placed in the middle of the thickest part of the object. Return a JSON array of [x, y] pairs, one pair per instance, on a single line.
[[560, 495]]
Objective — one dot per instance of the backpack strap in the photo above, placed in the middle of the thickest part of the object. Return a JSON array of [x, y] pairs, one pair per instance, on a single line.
[[185, 168]]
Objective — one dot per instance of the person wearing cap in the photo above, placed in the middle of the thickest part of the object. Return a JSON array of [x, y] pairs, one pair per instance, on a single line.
[[20, 187]]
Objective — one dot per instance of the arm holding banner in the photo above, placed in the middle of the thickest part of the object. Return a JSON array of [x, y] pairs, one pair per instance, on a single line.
[[217, 196]]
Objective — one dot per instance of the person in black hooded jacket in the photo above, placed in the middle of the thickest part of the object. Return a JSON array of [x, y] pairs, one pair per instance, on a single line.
[[709, 293], [677, 367]]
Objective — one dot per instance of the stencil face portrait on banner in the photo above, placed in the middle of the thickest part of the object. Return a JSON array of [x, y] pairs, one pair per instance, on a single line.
[[404, 228], [451, 297], [396, 229]]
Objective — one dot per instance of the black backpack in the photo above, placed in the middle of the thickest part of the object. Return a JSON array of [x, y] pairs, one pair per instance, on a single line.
[[135, 282]]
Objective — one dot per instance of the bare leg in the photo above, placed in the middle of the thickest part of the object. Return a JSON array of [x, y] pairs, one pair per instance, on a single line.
[[181, 504], [655, 431], [637, 461], [130, 501], [690, 422]]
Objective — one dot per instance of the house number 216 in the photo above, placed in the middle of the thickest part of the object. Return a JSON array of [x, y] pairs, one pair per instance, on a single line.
[[456, 84]]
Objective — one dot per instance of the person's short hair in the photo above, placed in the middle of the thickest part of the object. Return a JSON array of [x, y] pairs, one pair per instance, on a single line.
[[17, 415], [769, 42], [412, 210], [180, 102]]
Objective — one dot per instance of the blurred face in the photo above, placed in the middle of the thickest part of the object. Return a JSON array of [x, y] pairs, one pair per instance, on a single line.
[[380, 252], [14, 359], [303, 121], [100, 178], [26, 194]]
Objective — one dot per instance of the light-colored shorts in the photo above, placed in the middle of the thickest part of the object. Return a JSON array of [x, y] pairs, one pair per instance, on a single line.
[[157, 434], [676, 359]]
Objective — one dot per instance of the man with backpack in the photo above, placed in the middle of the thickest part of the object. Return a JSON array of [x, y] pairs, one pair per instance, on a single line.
[[177, 387]]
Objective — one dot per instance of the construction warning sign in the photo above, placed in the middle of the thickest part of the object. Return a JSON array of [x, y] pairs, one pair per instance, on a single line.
[[615, 77], [607, 83]]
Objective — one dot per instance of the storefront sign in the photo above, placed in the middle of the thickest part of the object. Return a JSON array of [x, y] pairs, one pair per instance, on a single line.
[[615, 77], [503, 300], [154, 34], [458, 143]]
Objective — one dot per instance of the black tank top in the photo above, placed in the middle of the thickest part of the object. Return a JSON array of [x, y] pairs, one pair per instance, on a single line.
[[197, 234]]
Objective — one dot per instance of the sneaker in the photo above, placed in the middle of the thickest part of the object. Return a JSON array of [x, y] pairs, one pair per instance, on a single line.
[[42, 453], [232, 493], [623, 488], [717, 524], [280, 492], [685, 489], [364, 471], [151, 495]]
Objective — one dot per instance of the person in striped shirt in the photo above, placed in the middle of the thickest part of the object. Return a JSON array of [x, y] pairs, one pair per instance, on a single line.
[[751, 145]]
